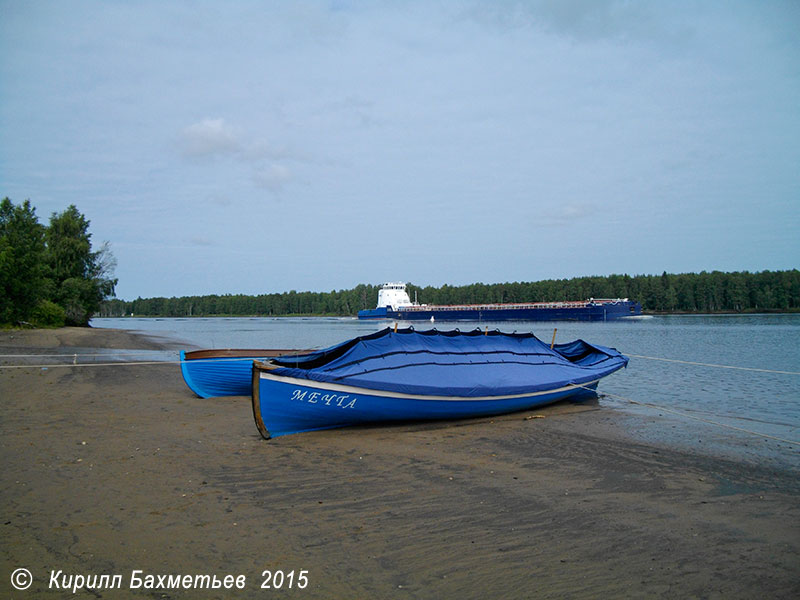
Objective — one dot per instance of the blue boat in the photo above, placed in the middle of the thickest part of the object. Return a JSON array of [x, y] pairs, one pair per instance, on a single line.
[[404, 375], [228, 372], [394, 303]]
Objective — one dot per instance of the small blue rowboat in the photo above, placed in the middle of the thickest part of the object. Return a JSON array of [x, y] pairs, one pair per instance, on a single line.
[[211, 373], [409, 375]]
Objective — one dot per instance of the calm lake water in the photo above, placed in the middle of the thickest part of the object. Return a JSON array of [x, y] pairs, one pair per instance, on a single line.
[[764, 402]]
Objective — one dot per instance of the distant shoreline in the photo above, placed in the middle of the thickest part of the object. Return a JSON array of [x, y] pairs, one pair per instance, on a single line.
[[704, 292], [334, 316]]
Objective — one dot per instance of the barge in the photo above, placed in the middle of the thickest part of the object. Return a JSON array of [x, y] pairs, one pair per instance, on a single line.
[[394, 303]]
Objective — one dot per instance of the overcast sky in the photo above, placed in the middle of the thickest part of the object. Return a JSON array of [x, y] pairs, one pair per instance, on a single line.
[[257, 147]]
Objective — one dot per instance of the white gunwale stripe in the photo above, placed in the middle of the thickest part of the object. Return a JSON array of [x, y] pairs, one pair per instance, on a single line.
[[349, 389]]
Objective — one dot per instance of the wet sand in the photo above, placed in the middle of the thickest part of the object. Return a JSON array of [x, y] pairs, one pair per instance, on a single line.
[[111, 469]]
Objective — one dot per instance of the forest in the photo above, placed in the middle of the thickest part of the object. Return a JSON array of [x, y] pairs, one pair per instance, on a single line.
[[705, 292]]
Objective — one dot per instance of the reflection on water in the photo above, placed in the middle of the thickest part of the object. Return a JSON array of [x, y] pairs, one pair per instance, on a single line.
[[764, 402]]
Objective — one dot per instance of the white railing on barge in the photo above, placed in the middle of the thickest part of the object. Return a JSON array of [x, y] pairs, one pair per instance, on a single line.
[[515, 306]]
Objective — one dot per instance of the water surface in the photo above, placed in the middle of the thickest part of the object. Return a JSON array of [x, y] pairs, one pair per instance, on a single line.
[[687, 403]]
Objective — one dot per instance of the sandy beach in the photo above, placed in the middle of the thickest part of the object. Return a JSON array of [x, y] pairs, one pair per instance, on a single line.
[[115, 469]]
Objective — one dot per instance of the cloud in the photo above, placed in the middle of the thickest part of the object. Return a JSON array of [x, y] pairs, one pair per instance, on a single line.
[[567, 214], [201, 241], [273, 177], [220, 199], [591, 21], [210, 137]]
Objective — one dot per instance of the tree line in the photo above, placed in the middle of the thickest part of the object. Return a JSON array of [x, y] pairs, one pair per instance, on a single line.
[[704, 292], [49, 275]]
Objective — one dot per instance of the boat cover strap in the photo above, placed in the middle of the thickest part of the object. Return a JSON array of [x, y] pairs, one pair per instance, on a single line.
[[453, 363]]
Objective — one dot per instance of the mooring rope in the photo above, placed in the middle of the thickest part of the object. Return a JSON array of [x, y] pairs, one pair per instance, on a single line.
[[108, 364], [74, 357], [119, 363], [700, 364], [71, 354], [688, 416], [79, 355]]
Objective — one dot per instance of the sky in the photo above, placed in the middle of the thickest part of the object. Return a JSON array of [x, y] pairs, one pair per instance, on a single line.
[[261, 147]]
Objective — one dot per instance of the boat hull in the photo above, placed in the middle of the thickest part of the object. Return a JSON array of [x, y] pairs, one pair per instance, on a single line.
[[283, 406], [212, 373], [604, 312]]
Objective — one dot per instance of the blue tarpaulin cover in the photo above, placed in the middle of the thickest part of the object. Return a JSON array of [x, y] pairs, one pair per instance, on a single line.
[[452, 363]]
